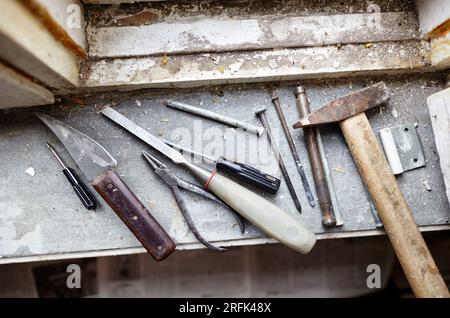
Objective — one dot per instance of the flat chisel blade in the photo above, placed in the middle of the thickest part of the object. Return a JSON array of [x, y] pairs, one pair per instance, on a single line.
[[144, 135]]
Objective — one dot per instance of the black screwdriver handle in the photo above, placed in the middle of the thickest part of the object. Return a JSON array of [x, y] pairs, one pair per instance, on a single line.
[[84, 194], [250, 175]]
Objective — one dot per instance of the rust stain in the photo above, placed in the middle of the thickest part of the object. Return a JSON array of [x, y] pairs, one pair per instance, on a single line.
[[144, 17], [440, 31], [78, 101], [54, 28]]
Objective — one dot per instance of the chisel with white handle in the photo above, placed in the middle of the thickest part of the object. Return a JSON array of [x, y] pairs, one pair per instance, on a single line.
[[275, 222]]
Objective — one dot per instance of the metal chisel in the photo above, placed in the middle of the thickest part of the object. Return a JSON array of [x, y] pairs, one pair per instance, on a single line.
[[293, 148], [275, 222]]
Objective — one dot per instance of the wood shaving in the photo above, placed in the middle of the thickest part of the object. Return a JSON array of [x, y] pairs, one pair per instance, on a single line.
[[340, 170]]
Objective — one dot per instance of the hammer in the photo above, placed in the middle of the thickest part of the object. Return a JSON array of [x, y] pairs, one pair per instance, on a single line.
[[401, 228]]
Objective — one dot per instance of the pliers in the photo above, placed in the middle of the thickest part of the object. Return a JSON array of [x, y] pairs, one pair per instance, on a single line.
[[175, 183]]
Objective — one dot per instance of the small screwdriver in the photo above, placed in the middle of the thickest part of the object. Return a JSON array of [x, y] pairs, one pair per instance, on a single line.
[[86, 197]]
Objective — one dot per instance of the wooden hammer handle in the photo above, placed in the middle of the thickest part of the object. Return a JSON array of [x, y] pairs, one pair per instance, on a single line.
[[409, 245]]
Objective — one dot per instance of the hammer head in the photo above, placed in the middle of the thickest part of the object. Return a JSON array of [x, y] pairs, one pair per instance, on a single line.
[[347, 106]]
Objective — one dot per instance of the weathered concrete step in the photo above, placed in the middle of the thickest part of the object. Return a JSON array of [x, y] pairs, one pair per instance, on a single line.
[[175, 8], [220, 34], [256, 66]]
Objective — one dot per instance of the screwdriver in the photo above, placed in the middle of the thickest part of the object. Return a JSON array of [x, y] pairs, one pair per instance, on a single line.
[[243, 172], [86, 197]]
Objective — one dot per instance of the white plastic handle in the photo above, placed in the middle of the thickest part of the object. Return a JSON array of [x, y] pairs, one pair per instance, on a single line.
[[275, 222]]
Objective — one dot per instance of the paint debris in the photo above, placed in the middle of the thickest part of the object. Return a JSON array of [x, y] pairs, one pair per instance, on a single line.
[[164, 60], [394, 113], [221, 69], [273, 64], [135, 218], [340, 170], [138, 102], [235, 67], [426, 185], [31, 171]]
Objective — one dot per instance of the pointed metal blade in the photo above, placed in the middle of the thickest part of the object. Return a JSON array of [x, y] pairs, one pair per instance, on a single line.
[[88, 154], [144, 135]]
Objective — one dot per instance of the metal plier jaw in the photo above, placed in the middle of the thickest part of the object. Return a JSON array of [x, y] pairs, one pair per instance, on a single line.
[[175, 183]]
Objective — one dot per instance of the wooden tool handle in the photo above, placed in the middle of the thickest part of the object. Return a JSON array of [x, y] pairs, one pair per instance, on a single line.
[[134, 214], [409, 245], [265, 215]]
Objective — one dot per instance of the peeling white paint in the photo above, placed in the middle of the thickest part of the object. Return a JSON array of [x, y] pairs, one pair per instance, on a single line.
[[31, 171], [197, 70], [206, 34], [235, 67], [11, 240], [158, 38]]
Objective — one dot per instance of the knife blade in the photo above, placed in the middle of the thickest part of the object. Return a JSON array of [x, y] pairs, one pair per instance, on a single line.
[[275, 222], [98, 166]]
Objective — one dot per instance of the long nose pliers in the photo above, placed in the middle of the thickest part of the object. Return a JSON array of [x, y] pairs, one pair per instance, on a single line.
[[175, 183]]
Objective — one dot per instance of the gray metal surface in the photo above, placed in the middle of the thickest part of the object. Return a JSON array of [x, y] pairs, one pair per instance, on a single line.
[[40, 215], [406, 150]]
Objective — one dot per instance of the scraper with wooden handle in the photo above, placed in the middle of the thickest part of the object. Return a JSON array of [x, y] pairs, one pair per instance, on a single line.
[[98, 166]]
